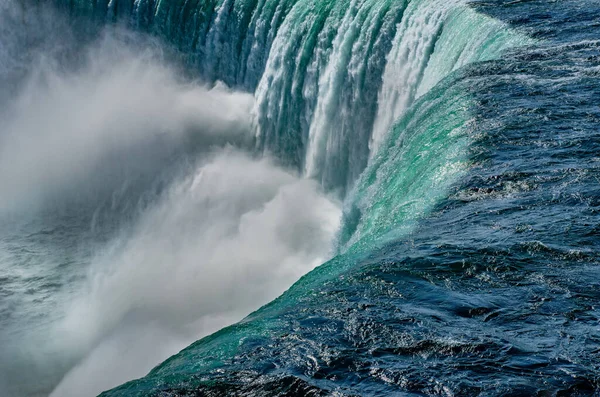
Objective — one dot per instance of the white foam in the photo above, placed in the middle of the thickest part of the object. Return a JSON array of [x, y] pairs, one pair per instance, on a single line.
[[226, 235], [219, 244], [67, 129]]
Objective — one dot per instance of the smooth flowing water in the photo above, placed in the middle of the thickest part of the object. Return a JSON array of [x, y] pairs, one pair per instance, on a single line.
[[420, 177]]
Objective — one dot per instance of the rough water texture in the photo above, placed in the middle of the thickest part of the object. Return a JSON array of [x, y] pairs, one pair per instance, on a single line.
[[463, 140]]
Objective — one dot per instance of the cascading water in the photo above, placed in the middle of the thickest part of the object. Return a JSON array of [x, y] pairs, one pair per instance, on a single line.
[[444, 160], [332, 77]]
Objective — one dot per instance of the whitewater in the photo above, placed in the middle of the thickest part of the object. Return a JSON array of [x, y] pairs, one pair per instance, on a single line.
[[172, 230], [299, 197]]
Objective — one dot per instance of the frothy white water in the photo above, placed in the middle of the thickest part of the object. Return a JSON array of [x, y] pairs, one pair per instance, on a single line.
[[224, 233], [118, 113], [219, 244]]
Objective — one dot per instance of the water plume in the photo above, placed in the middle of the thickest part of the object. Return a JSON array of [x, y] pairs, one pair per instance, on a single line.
[[119, 114], [203, 235], [228, 238]]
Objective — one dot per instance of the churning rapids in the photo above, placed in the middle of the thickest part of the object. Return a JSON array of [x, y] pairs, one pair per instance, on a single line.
[[299, 197]]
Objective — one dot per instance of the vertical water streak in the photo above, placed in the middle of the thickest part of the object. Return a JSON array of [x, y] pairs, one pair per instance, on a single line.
[[414, 45], [435, 39], [317, 96]]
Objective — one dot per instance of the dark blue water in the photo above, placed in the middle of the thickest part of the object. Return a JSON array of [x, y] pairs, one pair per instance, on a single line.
[[466, 263]]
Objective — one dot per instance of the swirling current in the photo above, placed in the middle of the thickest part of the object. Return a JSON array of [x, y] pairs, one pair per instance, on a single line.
[[299, 197]]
